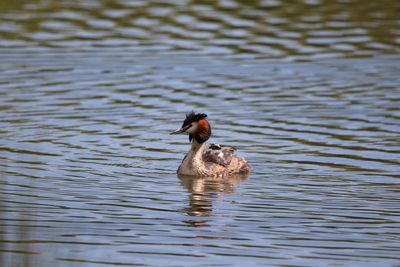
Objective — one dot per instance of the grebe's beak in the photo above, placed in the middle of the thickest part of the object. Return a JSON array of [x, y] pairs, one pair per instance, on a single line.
[[178, 131], [181, 130]]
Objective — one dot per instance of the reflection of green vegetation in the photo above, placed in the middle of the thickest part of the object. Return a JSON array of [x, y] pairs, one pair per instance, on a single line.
[[290, 21], [379, 18], [8, 5]]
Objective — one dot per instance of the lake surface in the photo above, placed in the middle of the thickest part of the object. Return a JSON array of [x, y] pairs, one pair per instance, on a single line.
[[307, 91]]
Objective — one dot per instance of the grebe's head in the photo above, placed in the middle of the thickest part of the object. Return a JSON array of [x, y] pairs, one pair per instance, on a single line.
[[196, 125]]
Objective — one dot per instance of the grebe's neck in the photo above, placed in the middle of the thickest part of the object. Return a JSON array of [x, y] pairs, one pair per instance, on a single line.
[[197, 148], [195, 157], [193, 163]]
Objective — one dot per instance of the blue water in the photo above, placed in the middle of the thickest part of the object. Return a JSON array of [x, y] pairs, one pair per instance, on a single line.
[[307, 93]]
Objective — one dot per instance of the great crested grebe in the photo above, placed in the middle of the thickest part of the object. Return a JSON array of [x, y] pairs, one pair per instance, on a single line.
[[208, 160]]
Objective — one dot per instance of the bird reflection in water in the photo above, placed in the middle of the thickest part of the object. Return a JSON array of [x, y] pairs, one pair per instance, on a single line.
[[202, 192]]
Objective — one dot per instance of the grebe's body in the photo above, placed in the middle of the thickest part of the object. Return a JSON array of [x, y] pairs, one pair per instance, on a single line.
[[205, 159]]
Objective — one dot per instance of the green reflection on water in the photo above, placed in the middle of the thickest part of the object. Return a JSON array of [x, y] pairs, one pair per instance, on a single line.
[[350, 28]]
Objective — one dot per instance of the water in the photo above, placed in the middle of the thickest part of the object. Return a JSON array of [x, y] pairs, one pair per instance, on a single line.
[[307, 92]]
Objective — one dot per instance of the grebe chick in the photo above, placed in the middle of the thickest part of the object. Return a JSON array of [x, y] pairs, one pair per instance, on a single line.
[[205, 159]]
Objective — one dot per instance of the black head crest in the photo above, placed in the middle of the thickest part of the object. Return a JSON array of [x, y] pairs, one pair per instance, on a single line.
[[192, 117]]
